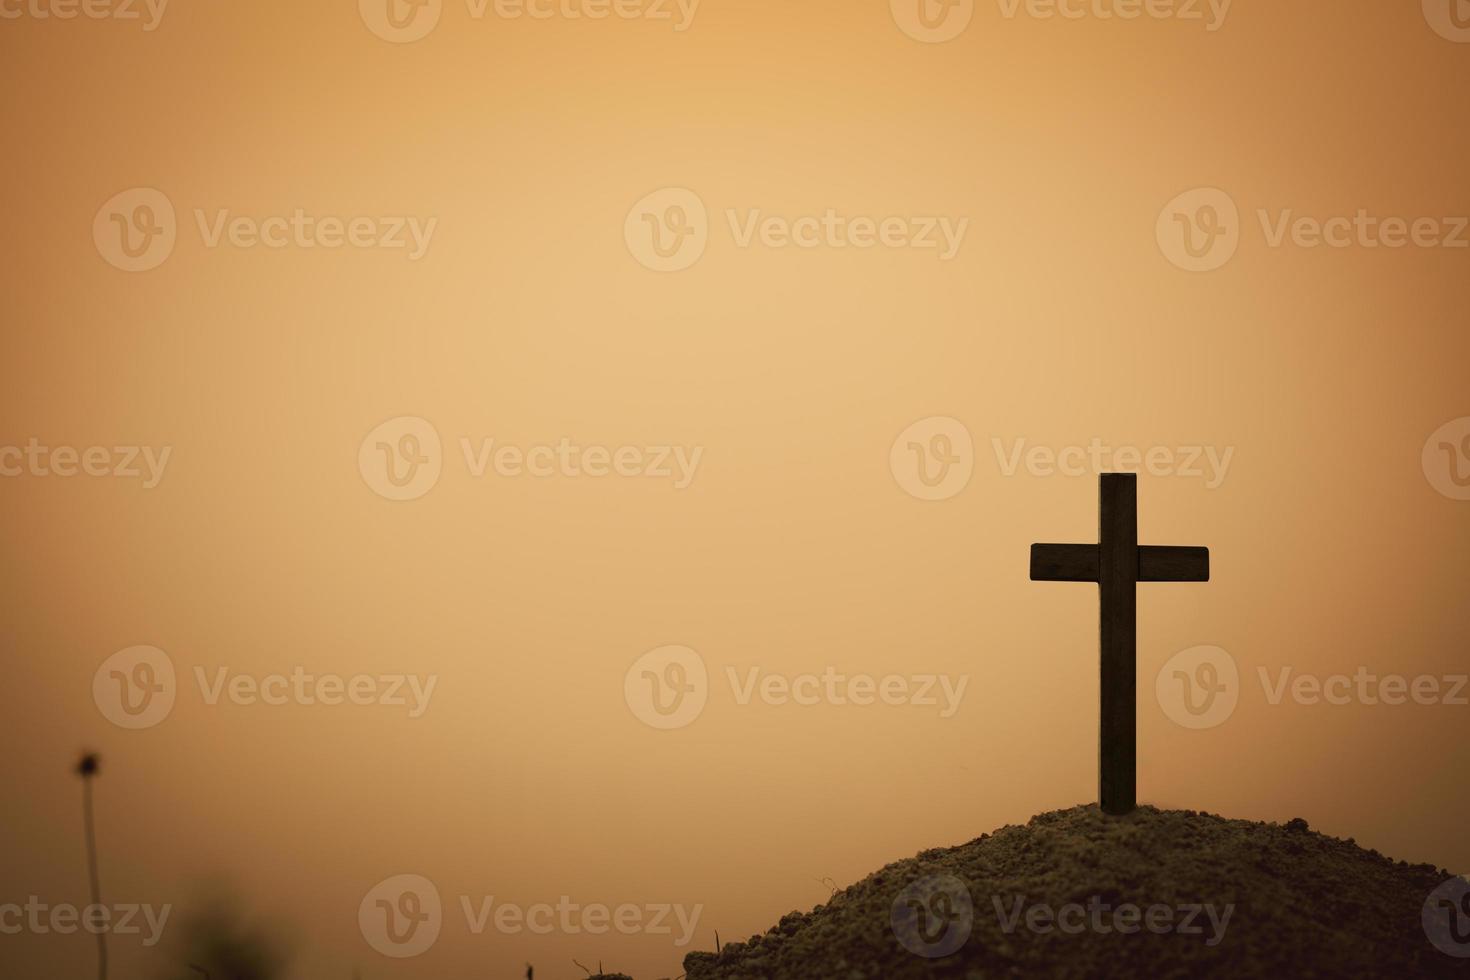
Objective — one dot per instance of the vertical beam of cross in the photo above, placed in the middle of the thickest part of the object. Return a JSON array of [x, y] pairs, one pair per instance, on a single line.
[[1117, 552], [1117, 564]]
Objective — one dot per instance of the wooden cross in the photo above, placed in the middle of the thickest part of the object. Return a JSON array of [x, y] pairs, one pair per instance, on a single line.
[[1117, 564]]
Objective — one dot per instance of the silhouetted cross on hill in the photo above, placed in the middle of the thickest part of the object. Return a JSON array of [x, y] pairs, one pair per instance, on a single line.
[[1117, 564]]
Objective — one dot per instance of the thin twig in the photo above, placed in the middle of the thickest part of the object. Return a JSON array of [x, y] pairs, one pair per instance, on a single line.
[[88, 770]]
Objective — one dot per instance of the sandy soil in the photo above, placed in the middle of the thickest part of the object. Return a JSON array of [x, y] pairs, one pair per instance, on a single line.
[[1156, 894]]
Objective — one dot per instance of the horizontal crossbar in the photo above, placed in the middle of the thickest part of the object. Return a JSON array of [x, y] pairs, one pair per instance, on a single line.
[[1173, 563], [1156, 563], [1064, 563]]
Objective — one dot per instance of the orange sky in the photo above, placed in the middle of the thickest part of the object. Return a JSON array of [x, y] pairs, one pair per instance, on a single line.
[[649, 314]]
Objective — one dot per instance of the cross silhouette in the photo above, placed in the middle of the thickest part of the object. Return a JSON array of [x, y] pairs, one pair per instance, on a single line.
[[1117, 564]]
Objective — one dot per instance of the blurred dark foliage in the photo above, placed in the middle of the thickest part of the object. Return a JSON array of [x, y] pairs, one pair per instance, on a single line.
[[214, 939]]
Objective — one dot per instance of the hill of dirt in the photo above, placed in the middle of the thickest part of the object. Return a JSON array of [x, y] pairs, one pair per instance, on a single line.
[[1156, 894]]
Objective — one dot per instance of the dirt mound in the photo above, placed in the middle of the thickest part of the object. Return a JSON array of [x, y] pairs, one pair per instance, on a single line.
[[1155, 894]]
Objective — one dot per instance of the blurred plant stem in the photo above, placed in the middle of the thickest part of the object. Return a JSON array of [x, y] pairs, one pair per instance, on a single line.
[[88, 769]]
